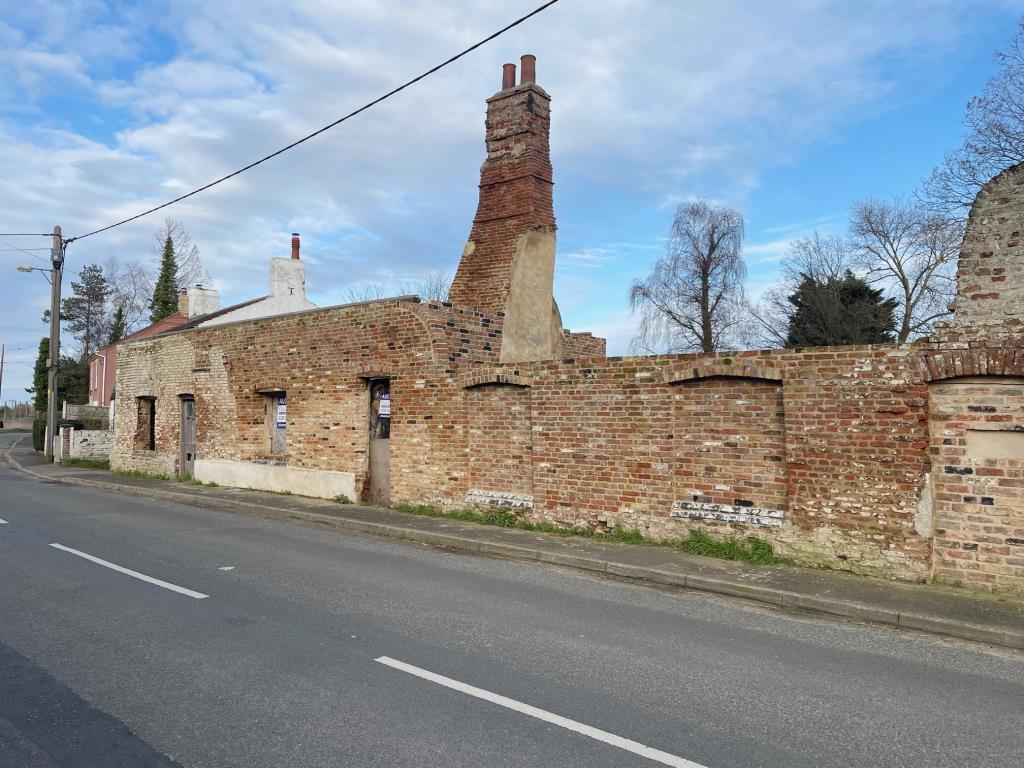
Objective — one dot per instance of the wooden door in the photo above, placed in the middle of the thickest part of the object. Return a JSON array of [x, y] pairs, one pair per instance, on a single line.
[[380, 442], [187, 458]]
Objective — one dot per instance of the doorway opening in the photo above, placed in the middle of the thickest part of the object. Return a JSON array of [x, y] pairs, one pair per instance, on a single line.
[[380, 441], [187, 440]]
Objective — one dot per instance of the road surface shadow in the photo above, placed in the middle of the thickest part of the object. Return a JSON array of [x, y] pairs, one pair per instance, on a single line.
[[44, 724]]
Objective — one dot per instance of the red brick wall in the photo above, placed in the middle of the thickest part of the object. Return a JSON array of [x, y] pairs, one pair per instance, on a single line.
[[583, 346], [977, 443], [515, 195], [595, 442], [835, 440], [990, 291], [730, 442], [498, 428]]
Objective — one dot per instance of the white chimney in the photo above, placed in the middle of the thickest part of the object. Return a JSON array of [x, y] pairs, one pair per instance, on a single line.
[[288, 279], [202, 301]]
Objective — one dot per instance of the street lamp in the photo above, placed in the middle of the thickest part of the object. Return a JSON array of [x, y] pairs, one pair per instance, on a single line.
[[57, 260]]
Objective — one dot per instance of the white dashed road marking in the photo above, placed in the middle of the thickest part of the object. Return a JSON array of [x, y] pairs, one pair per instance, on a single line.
[[608, 738], [129, 572]]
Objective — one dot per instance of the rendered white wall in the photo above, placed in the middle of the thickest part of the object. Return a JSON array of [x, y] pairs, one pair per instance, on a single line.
[[319, 483]]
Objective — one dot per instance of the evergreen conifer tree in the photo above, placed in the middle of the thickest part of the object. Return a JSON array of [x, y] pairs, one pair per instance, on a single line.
[[165, 292], [40, 384], [840, 311], [84, 311]]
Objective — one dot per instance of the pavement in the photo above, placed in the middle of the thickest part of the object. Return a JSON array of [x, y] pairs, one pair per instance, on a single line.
[[138, 631], [961, 613]]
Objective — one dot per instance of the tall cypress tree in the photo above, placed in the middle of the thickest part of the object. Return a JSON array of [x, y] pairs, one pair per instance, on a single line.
[[165, 293]]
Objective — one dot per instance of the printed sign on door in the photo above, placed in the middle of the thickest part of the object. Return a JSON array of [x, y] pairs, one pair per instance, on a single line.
[[282, 412]]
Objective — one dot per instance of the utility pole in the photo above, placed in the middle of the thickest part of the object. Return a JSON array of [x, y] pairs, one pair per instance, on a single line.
[[2, 409], [57, 259]]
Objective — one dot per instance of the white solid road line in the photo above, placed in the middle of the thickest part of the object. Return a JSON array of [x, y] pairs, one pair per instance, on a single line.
[[129, 572], [608, 738]]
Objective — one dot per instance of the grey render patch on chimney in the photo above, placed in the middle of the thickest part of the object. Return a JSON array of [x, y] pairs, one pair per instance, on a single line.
[[202, 301]]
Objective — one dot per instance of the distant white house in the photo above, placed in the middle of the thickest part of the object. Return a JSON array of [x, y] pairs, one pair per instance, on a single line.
[[200, 307], [287, 294]]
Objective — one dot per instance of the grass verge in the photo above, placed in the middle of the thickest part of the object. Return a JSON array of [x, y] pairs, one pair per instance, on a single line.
[[143, 475], [87, 463], [748, 550]]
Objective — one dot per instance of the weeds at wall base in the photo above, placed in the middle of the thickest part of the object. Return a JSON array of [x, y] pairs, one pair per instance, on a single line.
[[749, 550], [87, 463], [141, 474]]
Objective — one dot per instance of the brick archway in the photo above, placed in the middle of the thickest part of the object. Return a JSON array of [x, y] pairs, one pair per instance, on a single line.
[[954, 363], [719, 367], [976, 426], [483, 376]]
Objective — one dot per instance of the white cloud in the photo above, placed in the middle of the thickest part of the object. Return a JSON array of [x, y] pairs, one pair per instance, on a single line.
[[771, 251], [650, 100]]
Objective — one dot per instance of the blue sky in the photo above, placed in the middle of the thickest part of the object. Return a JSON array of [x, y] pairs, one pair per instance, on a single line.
[[789, 111]]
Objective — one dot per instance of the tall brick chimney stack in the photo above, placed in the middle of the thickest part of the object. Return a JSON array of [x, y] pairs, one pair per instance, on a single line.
[[295, 245], [508, 264]]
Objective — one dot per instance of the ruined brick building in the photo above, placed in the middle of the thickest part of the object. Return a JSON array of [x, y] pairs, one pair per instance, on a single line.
[[904, 461]]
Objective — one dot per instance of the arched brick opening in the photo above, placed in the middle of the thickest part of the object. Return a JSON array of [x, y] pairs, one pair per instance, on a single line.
[[976, 428], [723, 367], [499, 442], [950, 364], [481, 376], [729, 449]]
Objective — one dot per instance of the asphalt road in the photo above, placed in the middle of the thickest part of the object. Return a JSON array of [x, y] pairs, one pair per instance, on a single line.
[[280, 664]]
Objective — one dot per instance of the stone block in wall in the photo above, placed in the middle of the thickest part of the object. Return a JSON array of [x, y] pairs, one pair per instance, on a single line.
[[728, 513], [515, 501]]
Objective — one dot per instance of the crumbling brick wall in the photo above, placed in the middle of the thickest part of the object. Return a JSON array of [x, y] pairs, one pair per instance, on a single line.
[[990, 290], [977, 449], [583, 346], [826, 452], [515, 194], [499, 437], [730, 444], [833, 439]]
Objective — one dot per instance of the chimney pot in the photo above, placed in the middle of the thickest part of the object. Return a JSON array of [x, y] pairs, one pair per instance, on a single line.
[[528, 73], [295, 245], [508, 76]]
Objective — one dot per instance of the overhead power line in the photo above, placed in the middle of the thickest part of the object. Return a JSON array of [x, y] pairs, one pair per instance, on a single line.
[[26, 252], [26, 234], [326, 128]]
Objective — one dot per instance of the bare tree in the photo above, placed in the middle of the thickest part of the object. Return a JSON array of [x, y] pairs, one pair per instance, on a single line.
[[911, 253], [130, 289], [691, 300], [994, 139], [823, 258], [434, 286], [186, 253], [360, 292]]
